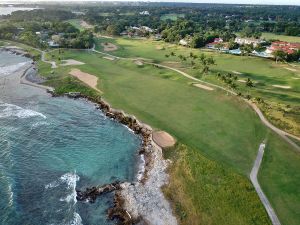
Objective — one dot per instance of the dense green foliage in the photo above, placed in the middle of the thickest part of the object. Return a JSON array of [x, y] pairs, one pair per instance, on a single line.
[[206, 181]]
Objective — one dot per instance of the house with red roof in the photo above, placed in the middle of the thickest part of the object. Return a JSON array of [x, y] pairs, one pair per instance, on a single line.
[[216, 42], [284, 46]]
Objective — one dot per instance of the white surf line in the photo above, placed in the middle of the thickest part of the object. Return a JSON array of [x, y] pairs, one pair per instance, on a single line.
[[262, 196]]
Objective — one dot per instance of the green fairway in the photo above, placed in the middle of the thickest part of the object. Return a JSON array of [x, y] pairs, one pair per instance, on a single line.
[[268, 76], [171, 16], [280, 180], [270, 36], [221, 128]]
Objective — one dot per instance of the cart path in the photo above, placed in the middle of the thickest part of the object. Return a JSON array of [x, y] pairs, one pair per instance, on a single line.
[[262, 196]]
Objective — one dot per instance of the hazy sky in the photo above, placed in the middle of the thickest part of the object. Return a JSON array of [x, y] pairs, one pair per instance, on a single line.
[[277, 2]]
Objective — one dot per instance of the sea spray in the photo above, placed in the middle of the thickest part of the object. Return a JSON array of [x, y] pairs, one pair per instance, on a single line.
[[10, 110]]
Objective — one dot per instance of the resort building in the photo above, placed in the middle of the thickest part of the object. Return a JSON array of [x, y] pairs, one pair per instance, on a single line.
[[218, 43], [248, 41], [286, 47]]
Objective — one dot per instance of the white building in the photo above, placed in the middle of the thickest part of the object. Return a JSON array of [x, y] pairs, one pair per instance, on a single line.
[[248, 41], [146, 13]]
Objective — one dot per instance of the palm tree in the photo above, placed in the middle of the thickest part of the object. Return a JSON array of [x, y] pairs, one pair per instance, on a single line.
[[279, 55], [249, 83]]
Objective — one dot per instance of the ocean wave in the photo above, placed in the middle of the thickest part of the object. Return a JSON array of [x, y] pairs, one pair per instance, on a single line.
[[76, 219], [10, 110], [40, 123], [6, 70], [70, 179]]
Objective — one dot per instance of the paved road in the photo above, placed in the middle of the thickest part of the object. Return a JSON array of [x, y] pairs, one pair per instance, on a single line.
[[262, 196]]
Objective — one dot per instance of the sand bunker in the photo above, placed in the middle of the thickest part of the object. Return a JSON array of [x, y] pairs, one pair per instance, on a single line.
[[85, 25], [281, 86], [236, 72], [163, 139], [138, 62], [290, 69], [242, 81], [109, 58], [203, 87], [109, 47], [89, 79], [71, 62]]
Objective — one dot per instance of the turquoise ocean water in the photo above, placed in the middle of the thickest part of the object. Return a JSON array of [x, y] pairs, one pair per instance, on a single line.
[[51, 146]]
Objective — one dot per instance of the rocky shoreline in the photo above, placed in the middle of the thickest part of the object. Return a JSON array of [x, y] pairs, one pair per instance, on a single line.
[[140, 202]]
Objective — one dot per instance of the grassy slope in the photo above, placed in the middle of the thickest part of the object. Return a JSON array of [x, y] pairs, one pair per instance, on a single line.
[[280, 180], [214, 198], [280, 37], [196, 118], [76, 23]]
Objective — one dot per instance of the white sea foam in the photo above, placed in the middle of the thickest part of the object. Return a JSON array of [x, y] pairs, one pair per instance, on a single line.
[[11, 196], [141, 170], [10, 110], [52, 185], [6, 70], [70, 179], [76, 219], [40, 123]]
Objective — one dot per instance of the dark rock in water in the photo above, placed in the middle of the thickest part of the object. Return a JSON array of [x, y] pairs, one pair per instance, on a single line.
[[91, 194], [119, 213], [73, 94]]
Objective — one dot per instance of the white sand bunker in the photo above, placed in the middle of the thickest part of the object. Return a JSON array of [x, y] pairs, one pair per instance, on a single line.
[[138, 62], [85, 25], [290, 69], [242, 81], [163, 139], [89, 79], [109, 47], [203, 87], [109, 58], [281, 86], [236, 72], [71, 62]]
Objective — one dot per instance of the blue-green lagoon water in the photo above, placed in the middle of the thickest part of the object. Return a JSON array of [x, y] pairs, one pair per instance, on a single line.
[[51, 146]]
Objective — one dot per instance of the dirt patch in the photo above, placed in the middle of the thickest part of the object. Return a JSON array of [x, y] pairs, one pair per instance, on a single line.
[[89, 79], [109, 47], [71, 62], [203, 87], [163, 139], [290, 69], [159, 47], [109, 58], [282, 86], [85, 25]]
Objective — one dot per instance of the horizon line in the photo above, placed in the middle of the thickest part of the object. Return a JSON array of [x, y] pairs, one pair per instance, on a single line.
[[145, 1]]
